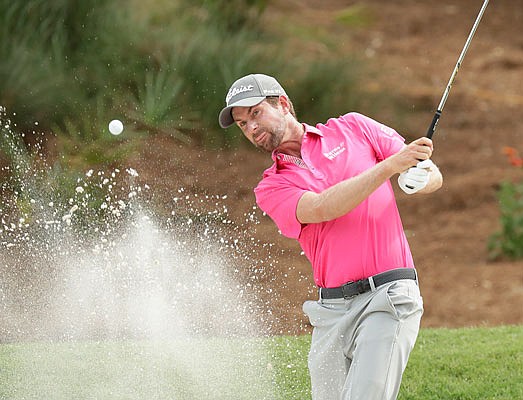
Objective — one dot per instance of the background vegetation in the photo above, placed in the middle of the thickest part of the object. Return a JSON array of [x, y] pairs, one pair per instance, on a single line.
[[164, 66], [508, 242]]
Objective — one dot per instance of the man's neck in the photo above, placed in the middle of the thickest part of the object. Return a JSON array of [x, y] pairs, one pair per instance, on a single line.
[[292, 142]]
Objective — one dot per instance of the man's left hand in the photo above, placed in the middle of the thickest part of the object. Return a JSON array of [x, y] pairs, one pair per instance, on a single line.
[[416, 178]]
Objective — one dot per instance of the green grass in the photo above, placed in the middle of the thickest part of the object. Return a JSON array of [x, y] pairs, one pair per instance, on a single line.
[[481, 363], [466, 364], [113, 370]]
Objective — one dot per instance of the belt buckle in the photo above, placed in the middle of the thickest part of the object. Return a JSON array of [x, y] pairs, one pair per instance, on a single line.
[[347, 296], [359, 288]]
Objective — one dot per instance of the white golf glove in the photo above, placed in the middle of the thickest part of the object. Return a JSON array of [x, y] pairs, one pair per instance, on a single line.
[[416, 178]]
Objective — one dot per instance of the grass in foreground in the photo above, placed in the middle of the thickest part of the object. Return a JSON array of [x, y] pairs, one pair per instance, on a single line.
[[481, 363], [466, 364]]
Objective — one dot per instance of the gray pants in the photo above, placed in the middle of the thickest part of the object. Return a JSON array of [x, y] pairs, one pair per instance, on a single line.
[[360, 346]]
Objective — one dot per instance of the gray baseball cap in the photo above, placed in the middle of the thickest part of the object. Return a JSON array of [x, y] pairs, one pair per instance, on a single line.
[[247, 92]]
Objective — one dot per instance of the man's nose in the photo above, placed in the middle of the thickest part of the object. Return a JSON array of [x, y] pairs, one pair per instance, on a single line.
[[253, 127]]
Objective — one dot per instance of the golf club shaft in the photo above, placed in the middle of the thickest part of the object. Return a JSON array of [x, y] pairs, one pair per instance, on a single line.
[[437, 115]]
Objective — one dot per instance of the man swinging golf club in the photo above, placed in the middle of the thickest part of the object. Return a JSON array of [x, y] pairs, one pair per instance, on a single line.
[[329, 188]]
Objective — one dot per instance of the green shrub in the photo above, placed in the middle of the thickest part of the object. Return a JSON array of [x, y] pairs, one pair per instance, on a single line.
[[509, 241]]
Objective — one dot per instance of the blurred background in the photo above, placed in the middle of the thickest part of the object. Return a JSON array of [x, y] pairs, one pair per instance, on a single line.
[[163, 67]]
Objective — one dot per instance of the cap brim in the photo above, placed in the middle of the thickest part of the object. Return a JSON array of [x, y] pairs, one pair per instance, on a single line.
[[226, 118]]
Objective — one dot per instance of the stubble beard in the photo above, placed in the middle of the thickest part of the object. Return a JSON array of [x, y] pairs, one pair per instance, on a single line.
[[275, 137]]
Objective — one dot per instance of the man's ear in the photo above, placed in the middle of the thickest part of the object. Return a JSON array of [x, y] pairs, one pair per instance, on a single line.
[[284, 102]]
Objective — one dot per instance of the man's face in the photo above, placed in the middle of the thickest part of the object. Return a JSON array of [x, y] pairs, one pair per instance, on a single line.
[[263, 124]]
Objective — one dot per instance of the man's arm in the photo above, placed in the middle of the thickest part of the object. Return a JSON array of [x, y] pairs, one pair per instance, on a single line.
[[344, 196]]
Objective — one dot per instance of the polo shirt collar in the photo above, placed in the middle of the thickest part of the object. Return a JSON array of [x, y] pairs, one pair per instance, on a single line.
[[308, 129], [312, 129]]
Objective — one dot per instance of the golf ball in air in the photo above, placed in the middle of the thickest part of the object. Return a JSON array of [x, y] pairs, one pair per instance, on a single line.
[[115, 127]]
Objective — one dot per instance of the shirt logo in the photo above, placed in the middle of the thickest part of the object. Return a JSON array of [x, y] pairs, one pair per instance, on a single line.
[[237, 90], [331, 155]]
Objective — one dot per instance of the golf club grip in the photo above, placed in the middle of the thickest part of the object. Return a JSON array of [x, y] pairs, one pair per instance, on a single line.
[[431, 130], [433, 124]]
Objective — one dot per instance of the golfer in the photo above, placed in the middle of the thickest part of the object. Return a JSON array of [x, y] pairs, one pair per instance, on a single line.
[[329, 188]]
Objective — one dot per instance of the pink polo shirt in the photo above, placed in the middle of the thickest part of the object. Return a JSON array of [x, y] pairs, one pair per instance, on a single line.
[[367, 240]]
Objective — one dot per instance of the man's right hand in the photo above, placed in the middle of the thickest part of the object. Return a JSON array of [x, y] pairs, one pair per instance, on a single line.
[[409, 156]]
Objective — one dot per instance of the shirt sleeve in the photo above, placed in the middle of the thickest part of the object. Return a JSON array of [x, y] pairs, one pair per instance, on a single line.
[[278, 197], [384, 140]]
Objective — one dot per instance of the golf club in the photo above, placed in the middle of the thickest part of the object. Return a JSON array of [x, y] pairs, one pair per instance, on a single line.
[[437, 115]]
